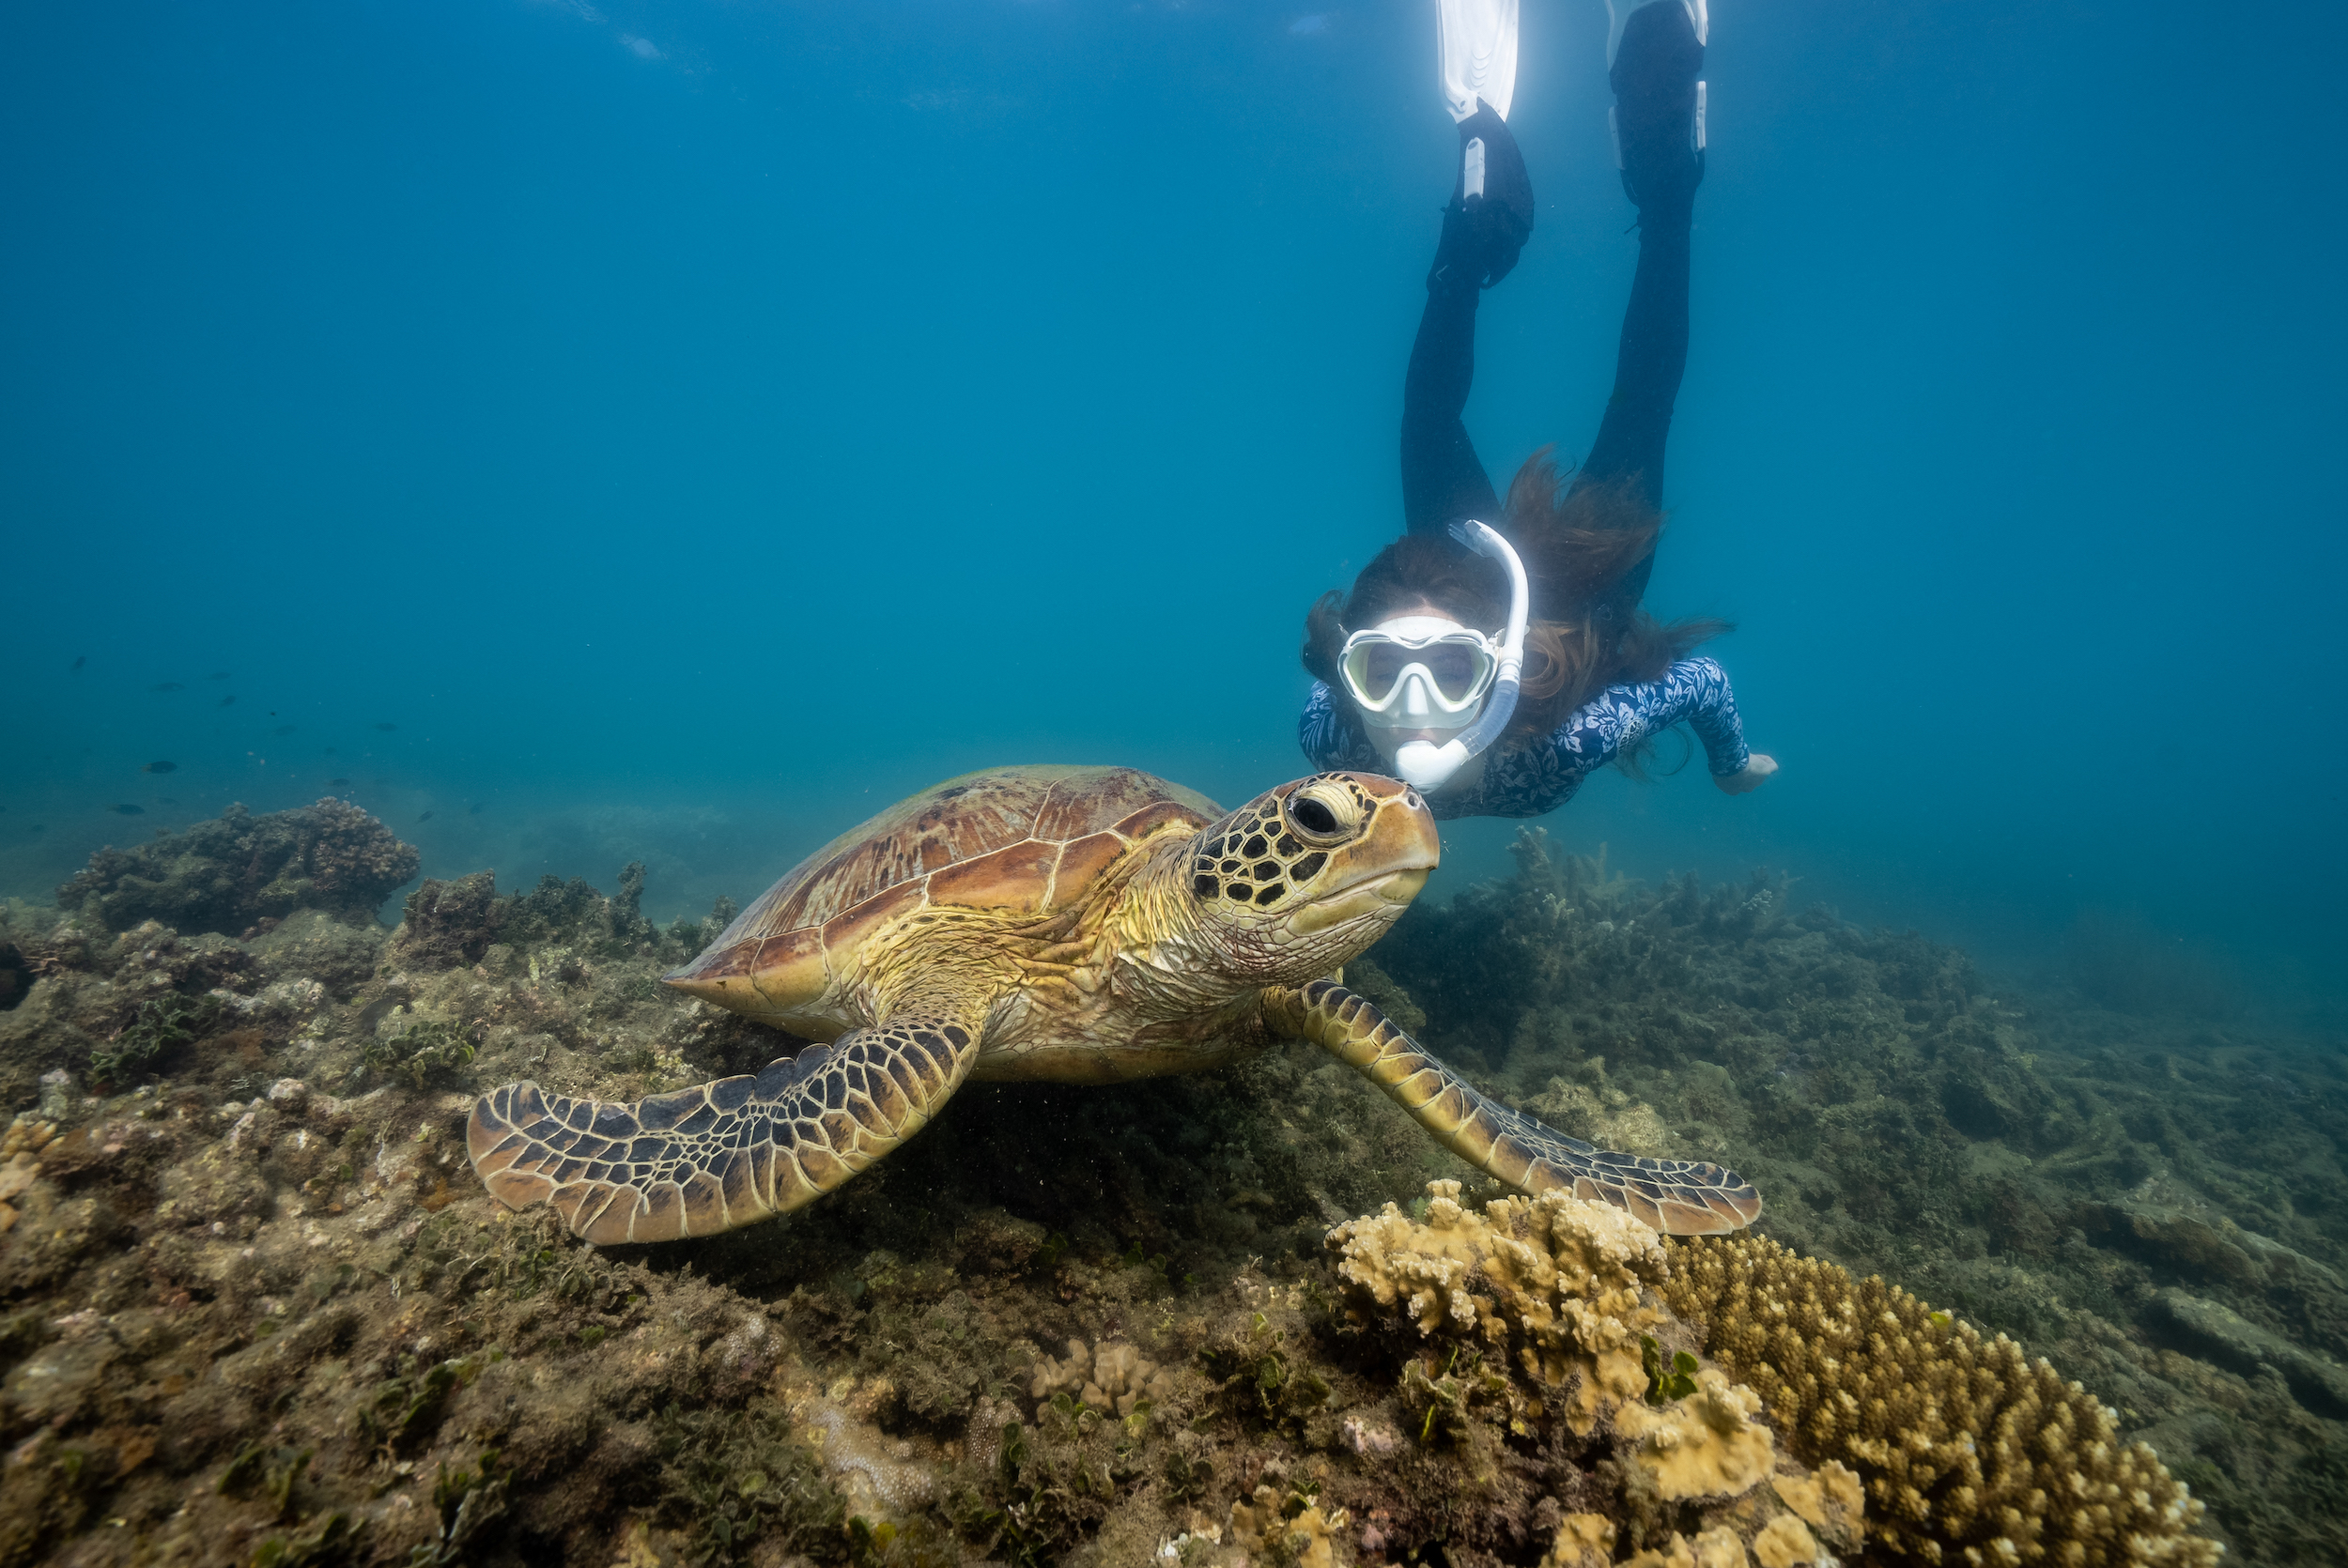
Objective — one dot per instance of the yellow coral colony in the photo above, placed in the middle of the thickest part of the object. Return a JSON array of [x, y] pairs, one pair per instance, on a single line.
[[1970, 1453], [1718, 1547], [1702, 1446], [1107, 1377], [1563, 1286], [1584, 1541], [1560, 1276]]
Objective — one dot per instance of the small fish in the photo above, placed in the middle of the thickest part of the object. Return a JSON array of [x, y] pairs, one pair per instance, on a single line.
[[284, 729], [79, 660], [168, 685], [225, 700], [387, 729], [338, 783], [474, 812], [161, 767], [217, 675], [128, 810], [426, 817]]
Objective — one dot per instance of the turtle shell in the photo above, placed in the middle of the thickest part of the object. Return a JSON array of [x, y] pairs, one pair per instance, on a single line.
[[1026, 840]]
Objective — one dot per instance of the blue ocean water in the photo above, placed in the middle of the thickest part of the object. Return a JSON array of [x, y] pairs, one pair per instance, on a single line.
[[670, 432]]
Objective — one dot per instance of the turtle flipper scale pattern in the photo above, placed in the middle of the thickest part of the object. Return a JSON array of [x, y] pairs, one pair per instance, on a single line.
[[722, 1154], [1679, 1197]]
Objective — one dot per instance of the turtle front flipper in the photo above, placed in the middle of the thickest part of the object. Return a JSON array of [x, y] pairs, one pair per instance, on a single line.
[[1679, 1197], [722, 1154]]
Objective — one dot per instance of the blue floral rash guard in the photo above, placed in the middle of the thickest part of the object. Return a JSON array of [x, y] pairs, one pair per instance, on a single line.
[[1529, 778]]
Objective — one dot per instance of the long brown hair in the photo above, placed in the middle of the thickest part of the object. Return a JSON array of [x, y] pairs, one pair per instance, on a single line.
[[1578, 547]]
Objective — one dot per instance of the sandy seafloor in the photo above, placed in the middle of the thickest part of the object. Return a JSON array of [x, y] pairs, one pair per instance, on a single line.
[[254, 1308]]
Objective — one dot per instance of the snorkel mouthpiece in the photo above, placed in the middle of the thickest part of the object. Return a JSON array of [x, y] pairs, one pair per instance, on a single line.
[[1423, 765]]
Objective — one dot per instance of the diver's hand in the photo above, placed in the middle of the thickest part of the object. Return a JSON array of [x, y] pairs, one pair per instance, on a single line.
[[1757, 771]]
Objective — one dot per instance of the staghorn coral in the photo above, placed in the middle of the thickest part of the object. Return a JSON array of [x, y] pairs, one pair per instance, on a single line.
[[1557, 1280], [1970, 1453]]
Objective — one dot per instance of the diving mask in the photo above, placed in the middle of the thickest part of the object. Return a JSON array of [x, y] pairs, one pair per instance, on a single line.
[[1426, 672], [1418, 672]]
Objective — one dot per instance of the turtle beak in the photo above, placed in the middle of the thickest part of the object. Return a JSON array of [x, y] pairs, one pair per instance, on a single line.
[[1384, 896]]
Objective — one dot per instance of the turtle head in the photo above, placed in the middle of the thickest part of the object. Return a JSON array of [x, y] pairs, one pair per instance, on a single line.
[[1306, 876]]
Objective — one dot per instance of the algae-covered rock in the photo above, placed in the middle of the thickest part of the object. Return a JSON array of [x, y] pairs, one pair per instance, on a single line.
[[2236, 1342], [237, 870], [16, 975], [449, 923]]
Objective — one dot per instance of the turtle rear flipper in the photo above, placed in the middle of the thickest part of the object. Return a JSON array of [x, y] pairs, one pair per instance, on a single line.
[[1679, 1197], [722, 1154]]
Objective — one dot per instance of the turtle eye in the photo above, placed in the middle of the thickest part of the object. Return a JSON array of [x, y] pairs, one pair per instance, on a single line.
[[1321, 814]]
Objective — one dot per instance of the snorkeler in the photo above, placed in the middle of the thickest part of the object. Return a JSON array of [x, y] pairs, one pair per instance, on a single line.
[[1496, 655]]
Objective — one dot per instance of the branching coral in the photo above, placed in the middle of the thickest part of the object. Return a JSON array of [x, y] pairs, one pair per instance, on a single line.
[[1970, 1453]]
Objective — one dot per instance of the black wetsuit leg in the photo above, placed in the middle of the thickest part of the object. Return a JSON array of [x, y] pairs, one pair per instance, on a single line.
[[1443, 479], [1655, 91]]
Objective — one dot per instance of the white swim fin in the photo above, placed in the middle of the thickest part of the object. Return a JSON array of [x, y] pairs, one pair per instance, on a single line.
[[1618, 17], [1478, 41]]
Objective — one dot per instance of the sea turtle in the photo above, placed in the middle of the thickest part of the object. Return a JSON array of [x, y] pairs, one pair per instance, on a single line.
[[1083, 924]]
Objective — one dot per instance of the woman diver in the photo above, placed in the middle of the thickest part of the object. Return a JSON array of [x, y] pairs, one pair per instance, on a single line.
[[1496, 655]]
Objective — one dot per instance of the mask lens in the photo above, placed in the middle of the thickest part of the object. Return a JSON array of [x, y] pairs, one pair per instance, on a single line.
[[1382, 667], [1455, 668]]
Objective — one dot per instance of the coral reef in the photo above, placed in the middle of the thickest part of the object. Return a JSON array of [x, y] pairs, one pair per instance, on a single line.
[[253, 1307], [2087, 1181], [233, 873]]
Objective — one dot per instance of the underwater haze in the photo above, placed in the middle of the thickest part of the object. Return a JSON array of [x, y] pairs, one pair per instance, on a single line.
[[582, 434]]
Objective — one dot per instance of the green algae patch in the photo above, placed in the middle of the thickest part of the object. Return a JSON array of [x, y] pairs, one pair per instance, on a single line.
[[163, 1025], [427, 1055]]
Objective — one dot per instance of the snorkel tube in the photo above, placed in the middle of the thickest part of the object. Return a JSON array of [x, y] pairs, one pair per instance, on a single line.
[[1425, 765]]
